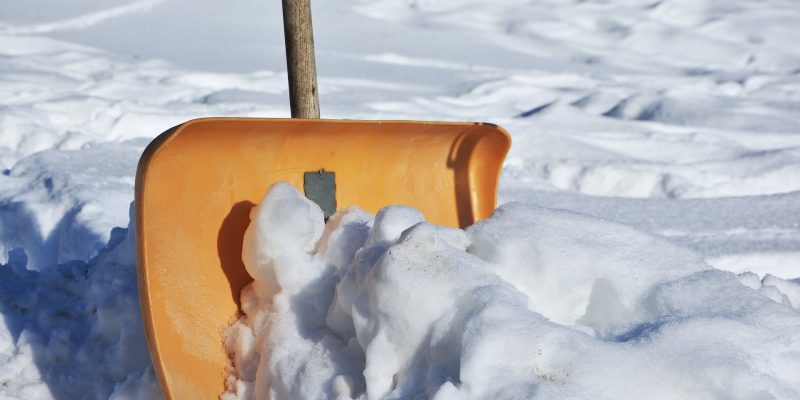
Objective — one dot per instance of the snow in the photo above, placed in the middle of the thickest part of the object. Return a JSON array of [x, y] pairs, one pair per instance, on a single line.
[[74, 330], [531, 302], [670, 126]]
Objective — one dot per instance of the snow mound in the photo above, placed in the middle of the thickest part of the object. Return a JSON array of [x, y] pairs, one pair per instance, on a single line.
[[75, 330], [533, 302]]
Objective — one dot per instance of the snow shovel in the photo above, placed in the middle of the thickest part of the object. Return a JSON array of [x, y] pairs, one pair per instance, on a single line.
[[197, 182]]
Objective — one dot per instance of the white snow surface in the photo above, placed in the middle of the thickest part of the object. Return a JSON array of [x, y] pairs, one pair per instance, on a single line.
[[531, 303], [676, 118]]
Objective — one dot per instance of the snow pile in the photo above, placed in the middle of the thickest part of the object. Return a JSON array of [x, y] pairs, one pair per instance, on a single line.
[[61, 206], [74, 330], [533, 302]]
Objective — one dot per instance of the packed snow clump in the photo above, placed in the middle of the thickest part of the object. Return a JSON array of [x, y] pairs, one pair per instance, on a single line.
[[531, 303]]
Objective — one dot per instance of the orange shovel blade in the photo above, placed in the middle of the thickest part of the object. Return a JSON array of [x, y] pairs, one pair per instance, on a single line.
[[197, 182]]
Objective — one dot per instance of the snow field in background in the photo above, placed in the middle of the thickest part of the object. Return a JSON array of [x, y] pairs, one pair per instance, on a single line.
[[673, 99]]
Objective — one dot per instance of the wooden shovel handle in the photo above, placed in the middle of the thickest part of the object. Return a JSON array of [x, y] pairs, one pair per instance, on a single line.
[[299, 38]]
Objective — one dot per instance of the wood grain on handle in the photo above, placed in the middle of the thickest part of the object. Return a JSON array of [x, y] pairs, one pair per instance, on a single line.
[[299, 37]]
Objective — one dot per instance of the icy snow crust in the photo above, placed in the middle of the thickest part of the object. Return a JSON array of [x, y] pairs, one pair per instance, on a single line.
[[532, 303]]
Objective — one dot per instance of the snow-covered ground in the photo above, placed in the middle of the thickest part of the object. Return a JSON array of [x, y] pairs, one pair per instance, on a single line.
[[679, 118]]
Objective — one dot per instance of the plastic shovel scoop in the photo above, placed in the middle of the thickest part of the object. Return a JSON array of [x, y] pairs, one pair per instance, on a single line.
[[197, 183]]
